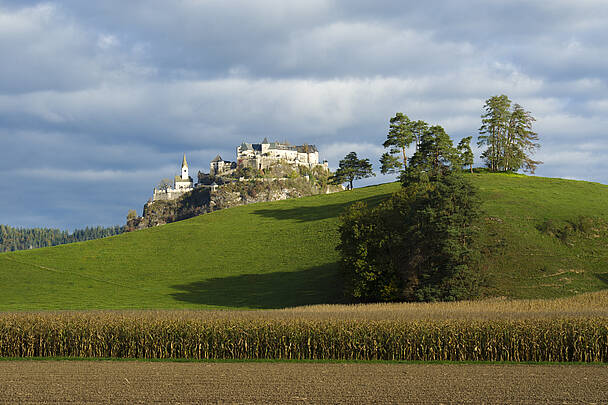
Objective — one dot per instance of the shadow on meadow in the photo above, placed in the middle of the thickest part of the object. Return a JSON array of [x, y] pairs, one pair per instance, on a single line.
[[317, 212], [603, 277], [317, 285]]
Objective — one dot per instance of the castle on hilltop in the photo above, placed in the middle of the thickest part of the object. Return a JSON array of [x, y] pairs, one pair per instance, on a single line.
[[259, 156]]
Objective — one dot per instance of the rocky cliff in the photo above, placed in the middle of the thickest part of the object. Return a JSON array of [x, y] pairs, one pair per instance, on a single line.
[[202, 200]]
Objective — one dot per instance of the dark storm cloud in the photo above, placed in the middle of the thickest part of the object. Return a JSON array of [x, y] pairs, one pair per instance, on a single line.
[[99, 99]]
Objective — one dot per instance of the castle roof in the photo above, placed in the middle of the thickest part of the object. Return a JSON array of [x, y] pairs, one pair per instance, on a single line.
[[307, 149], [278, 145], [184, 163], [218, 158]]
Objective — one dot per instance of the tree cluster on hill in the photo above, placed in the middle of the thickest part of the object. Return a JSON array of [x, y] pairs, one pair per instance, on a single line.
[[419, 245], [434, 148], [416, 246], [12, 239], [506, 131]]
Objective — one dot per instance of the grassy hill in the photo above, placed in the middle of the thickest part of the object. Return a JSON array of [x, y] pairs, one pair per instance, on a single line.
[[280, 254]]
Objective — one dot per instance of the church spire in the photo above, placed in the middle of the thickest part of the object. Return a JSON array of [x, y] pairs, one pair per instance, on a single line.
[[184, 163], [185, 175]]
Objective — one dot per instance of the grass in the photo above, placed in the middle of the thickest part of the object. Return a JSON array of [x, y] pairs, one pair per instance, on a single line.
[[282, 254], [268, 255], [523, 262]]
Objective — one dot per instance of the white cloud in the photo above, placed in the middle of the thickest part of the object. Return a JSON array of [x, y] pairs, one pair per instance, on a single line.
[[107, 41], [121, 89]]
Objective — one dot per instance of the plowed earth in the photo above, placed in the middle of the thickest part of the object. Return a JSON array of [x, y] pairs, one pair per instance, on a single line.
[[167, 382]]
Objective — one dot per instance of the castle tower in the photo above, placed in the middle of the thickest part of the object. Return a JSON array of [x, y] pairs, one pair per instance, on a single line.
[[185, 169]]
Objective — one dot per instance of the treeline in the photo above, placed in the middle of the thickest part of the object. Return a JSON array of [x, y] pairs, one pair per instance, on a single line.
[[12, 239]]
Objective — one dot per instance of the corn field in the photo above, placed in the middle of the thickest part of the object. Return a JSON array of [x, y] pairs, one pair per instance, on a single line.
[[111, 335]]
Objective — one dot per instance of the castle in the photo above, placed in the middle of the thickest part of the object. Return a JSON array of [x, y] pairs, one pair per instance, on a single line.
[[260, 156]]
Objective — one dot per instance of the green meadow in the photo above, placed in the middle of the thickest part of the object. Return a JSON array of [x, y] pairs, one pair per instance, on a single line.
[[282, 254]]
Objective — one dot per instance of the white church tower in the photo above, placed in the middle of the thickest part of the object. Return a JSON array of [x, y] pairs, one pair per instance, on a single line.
[[183, 182], [185, 169]]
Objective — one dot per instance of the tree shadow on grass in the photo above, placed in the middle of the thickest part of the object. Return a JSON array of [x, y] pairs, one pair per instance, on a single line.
[[603, 277], [316, 285], [318, 212]]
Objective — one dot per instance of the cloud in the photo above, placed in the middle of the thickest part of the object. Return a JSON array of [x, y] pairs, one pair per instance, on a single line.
[[98, 100], [107, 41]]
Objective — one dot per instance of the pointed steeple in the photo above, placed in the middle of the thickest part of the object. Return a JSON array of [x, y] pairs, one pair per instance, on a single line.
[[184, 163]]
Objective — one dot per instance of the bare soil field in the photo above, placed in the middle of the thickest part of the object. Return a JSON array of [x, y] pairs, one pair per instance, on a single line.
[[183, 383]]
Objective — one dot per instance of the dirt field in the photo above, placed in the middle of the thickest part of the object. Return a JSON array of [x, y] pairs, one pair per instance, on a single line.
[[156, 382]]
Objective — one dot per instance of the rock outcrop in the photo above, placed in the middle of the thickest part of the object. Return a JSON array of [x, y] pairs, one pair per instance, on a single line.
[[203, 200]]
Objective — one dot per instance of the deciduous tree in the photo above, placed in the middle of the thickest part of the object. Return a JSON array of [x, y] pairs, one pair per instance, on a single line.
[[164, 184]]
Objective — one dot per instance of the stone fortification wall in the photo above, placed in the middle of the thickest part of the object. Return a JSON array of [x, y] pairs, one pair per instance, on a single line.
[[167, 195]]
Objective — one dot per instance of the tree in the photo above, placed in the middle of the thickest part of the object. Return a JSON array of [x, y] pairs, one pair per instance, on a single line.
[[522, 141], [418, 245], [400, 136], [402, 133], [493, 129], [164, 185], [436, 153], [465, 152], [131, 215], [507, 133], [352, 168], [389, 164], [443, 235], [418, 128]]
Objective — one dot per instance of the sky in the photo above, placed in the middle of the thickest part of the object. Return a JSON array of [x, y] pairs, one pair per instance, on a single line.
[[100, 99]]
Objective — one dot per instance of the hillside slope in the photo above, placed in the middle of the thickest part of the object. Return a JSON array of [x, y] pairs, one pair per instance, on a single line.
[[280, 254], [264, 255], [524, 260]]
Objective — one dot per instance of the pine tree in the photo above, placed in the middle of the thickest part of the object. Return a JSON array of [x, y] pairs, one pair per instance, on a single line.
[[400, 136], [493, 130], [389, 164], [436, 151], [522, 141], [352, 168], [507, 134], [466, 154]]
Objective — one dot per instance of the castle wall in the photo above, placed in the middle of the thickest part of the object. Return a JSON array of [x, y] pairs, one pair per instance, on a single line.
[[169, 194], [266, 156], [183, 185]]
